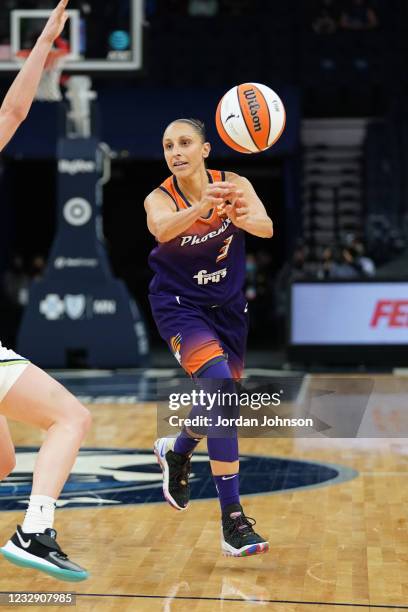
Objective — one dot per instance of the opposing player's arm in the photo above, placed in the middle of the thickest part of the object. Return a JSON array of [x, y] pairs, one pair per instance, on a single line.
[[165, 222], [20, 96], [246, 210]]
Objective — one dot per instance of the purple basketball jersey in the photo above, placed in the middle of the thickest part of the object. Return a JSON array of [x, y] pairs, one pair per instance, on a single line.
[[206, 263]]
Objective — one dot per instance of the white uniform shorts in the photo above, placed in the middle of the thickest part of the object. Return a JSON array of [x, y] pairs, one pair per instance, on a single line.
[[11, 368]]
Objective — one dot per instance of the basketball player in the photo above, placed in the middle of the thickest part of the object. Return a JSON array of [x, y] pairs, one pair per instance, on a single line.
[[199, 218], [29, 395]]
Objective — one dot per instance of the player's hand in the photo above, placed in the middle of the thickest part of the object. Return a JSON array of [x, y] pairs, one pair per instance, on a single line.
[[237, 210], [215, 196], [55, 23]]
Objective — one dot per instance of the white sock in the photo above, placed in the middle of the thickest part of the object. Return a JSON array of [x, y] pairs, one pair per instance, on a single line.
[[39, 515]]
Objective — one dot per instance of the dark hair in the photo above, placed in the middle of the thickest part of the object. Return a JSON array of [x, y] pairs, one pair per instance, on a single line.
[[197, 125]]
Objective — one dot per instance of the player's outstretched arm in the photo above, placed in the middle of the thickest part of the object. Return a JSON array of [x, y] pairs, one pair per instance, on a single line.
[[20, 96]]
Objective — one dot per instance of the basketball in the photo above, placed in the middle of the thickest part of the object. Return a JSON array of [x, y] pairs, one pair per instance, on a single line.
[[250, 118]]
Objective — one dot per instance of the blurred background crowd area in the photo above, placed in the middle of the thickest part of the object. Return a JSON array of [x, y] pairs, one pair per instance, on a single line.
[[338, 193], [347, 54]]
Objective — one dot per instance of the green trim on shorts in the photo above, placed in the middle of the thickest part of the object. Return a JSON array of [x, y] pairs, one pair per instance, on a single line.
[[13, 362]]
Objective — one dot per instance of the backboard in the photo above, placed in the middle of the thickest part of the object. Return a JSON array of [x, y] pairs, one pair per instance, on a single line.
[[100, 36]]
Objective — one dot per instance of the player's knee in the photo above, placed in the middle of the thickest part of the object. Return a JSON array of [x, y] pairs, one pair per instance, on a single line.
[[7, 465], [82, 420], [76, 418]]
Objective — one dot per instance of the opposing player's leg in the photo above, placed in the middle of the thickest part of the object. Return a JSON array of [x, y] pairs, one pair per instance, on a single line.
[[7, 454], [37, 399]]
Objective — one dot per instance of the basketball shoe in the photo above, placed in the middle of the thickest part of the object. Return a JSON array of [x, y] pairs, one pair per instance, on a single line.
[[176, 471], [238, 539], [41, 551]]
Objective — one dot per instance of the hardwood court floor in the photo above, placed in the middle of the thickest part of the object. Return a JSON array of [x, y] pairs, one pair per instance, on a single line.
[[341, 547]]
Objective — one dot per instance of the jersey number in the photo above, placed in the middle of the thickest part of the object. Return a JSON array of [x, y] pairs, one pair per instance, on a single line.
[[224, 250]]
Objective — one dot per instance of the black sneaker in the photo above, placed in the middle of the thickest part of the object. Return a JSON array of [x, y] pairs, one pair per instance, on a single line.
[[238, 539], [176, 470], [40, 551]]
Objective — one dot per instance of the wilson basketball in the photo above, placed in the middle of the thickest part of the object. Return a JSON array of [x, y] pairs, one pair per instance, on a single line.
[[250, 118]]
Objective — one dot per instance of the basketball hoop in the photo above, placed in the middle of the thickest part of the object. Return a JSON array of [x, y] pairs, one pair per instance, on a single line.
[[49, 89]]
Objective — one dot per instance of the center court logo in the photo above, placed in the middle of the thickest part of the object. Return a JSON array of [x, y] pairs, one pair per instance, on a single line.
[[114, 477], [203, 277]]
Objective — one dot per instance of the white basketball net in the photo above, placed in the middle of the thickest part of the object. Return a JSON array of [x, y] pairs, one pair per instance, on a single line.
[[49, 88], [79, 93]]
